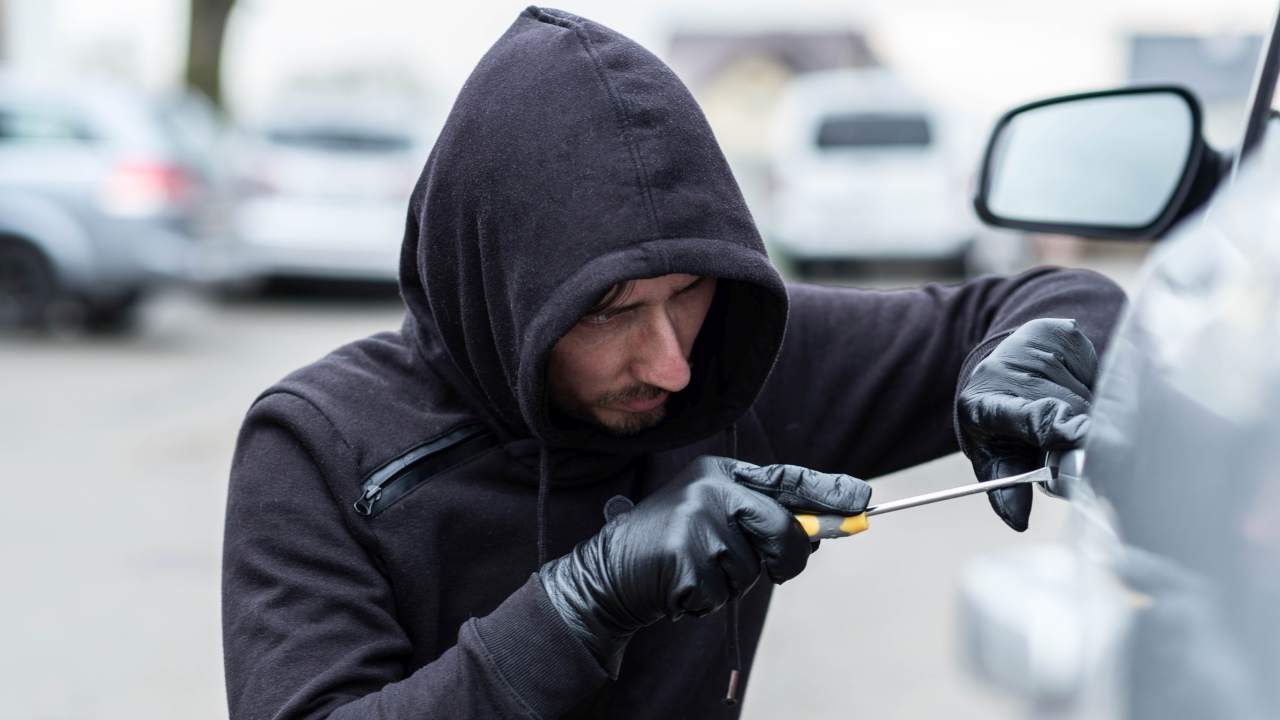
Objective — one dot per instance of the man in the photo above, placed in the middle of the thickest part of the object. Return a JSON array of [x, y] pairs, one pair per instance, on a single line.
[[417, 523]]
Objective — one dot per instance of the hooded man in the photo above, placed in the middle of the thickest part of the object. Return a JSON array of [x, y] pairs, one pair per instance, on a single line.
[[573, 441]]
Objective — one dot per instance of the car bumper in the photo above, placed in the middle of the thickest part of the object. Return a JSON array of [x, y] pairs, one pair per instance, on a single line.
[[245, 261], [339, 241]]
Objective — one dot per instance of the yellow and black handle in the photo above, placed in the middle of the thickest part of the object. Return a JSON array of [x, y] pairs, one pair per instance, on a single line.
[[825, 527]]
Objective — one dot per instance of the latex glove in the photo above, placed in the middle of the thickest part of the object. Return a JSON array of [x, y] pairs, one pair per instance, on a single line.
[[696, 543], [1030, 395]]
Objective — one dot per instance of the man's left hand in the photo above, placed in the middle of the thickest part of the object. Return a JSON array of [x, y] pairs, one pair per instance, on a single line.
[[1030, 395]]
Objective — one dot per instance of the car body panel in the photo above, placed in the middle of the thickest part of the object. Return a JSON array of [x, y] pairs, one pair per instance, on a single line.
[[1184, 451]]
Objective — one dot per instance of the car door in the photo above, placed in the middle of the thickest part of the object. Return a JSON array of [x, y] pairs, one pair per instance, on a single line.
[[1164, 599]]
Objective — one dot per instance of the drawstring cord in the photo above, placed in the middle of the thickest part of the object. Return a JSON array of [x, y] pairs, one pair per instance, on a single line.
[[544, 488], [733, 648], [735, 654]]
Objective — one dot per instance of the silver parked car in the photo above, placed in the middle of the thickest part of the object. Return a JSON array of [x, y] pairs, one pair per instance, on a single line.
[[1163, 600], [103, 192], [321, 193]]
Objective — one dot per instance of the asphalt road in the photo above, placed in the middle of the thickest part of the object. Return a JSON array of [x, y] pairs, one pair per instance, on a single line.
[[114, 456]]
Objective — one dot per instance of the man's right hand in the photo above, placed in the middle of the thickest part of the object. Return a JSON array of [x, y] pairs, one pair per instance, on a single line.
[[692, 546]]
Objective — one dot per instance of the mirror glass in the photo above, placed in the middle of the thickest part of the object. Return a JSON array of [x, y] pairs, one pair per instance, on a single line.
[[1111, 160]]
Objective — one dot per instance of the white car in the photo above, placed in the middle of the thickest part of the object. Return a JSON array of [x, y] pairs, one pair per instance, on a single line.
[[863, 172], [321, 194]]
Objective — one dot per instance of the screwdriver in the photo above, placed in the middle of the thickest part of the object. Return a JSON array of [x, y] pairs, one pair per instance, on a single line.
[[1052, 478]]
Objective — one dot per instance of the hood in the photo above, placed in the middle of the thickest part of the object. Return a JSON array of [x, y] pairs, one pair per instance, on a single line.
[[573, 159]]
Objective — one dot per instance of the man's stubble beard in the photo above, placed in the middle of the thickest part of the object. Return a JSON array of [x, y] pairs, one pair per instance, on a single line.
[[630, 423], [634, 423]]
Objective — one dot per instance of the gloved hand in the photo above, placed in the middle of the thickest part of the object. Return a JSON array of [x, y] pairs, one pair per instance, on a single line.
[[690, 547], [1030, 395]]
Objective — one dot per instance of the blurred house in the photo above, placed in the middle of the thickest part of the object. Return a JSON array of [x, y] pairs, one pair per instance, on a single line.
[[700, 57]]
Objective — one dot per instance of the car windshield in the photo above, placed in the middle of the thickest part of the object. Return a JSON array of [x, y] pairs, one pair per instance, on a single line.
[[340, 139], [868, 130]]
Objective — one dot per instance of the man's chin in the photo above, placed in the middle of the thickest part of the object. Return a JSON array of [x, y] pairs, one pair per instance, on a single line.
[[625, 424]]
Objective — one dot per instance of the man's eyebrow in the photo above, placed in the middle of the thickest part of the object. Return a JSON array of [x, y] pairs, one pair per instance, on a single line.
[[634, 305]]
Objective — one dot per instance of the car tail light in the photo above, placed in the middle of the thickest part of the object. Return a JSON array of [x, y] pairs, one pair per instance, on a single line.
[[147, 188]]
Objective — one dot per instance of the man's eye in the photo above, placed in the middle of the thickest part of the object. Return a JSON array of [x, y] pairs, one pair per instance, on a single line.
[[597, 318]]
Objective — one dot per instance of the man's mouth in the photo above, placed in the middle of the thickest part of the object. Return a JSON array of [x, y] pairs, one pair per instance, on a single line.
[[644, 404]]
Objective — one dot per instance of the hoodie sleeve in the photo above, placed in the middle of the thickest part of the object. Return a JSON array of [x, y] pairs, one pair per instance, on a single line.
[[866, 380], [309, 621]]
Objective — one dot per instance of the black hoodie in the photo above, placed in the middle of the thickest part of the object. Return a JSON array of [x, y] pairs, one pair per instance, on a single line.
[[384, 517]]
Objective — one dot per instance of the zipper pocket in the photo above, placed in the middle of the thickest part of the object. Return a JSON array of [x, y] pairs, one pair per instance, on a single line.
[[395, 479]]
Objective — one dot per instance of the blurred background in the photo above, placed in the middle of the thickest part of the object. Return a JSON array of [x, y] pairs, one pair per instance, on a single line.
[[198, 196]]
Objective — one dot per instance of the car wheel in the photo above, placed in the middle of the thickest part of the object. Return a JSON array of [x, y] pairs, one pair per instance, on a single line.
[[803, 269], [27, 285], [111, 316], [960, 266]]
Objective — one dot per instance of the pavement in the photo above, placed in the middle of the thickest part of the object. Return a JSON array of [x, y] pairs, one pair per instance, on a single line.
[[115, 454]]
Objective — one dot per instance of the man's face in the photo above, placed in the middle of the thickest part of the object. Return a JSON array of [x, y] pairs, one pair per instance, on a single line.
[[617, 366]]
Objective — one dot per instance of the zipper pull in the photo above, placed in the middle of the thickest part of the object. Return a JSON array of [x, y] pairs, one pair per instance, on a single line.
[[364, 505]]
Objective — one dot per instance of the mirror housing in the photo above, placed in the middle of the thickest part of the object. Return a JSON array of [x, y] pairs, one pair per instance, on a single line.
[[1124, 163]]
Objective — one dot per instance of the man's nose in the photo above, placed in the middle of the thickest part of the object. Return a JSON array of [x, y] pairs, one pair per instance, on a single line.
[[659, 360]]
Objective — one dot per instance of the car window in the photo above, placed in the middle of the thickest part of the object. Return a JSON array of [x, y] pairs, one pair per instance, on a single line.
[[874, 131], [340, 139], [26, 125]]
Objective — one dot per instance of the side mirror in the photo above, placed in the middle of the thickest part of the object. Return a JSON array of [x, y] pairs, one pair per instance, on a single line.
[[1115, 164]]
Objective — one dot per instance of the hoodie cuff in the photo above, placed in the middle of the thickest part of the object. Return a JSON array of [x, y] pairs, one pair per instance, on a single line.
[[536, 654]]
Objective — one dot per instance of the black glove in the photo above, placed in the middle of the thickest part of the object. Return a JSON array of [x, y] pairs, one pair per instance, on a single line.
[[1030, 395], [692, 546]]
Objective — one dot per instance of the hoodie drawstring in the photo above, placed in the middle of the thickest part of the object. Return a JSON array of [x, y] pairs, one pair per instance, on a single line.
[[544, 488], [734, 647]]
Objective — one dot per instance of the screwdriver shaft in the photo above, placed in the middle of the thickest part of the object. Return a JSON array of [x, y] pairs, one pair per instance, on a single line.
[[1043, 474]]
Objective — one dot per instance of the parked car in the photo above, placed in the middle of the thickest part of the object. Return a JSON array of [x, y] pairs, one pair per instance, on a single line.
[[102, 197], [1163, 599], [863, 171], [321, 191]]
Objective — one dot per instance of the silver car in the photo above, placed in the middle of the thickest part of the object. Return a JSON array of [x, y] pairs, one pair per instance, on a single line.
[[103, 192], [1163, 600], [321, 193]]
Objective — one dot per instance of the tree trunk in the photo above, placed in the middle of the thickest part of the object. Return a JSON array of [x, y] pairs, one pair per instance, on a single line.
[[4, 31], [204, 47]]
